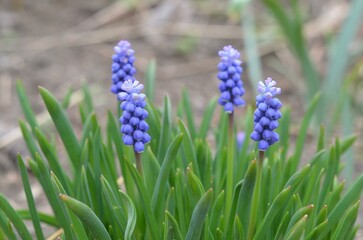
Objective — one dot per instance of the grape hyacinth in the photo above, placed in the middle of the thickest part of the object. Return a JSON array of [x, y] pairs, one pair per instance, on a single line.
[[266, 115], [122, 66], [231, 85], [134, 127]]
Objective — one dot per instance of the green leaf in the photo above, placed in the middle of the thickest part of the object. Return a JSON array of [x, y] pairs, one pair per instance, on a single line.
[[67, 99], [276, 206], [30, 199], [217, 211], [188, 113], [131, 215], [87, 99], [150, 80], [6, 227], [42, 173], [173, 231], [347, 142], [199, 215], [322, 215], [63, 126], [188, 147], [29, 140], [304, 130], [51, 155], [316, 233], [251, 47], [165, 130], [297, 231], [153, 169], [233, 212], [207, 117], [160, 186], [283, 225], [298, 215], [194, 186], [321, 139], [43, 217], [74, 222], [296, 179], [145, 201], [245, 196], [14, 218], [114, 205], [339, 54], [113, 130], [182, 210], [350, 197], [238, 232], [25, 105], [170, 201], [346, 225], [87, 216]]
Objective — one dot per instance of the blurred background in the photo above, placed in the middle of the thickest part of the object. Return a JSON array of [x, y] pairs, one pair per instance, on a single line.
[[308, 47]]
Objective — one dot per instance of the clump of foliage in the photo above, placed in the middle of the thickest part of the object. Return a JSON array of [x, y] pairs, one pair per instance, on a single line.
[[184, 186]]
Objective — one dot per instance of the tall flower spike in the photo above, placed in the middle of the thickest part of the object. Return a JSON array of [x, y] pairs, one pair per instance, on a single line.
[[231, 85], [122, 66], [266, 114], [133, 124]]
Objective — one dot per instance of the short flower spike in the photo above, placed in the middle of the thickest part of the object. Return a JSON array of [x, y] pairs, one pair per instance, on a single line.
[[122, 66], [133, 124], [231, 85], [266, 114]]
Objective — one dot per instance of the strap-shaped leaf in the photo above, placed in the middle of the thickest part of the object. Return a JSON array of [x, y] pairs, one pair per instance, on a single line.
[[304, 130], [188, 147], [87, 216], [173, 230], [131, 215], [30, 199], [199, 215], [145, 201], [346, 225], [297, 231], [114, 205], [276, 206], [165, 130], [160, 186], [25, 105], [188, 113], [207, 117], [63, 126], [150, 80], [14, 218], [349, 198]]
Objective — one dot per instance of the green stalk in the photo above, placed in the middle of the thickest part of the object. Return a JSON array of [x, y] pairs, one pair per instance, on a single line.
[[230, 160], [138, 162], [256, 196]]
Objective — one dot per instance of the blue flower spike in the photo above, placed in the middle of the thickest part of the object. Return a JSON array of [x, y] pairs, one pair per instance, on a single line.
[[133, 124], [231, 85], [266, 114], [122, 66]]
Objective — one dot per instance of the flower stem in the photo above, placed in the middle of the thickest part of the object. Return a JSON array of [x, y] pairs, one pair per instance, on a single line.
[[256, 196], [229, 173], [138, 162]]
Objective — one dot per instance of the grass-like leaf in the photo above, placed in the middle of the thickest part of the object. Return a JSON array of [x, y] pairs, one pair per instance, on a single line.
[[30, 199], [87, 216], [160, 187], [14, 218], [63, 126], [199, 215]]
